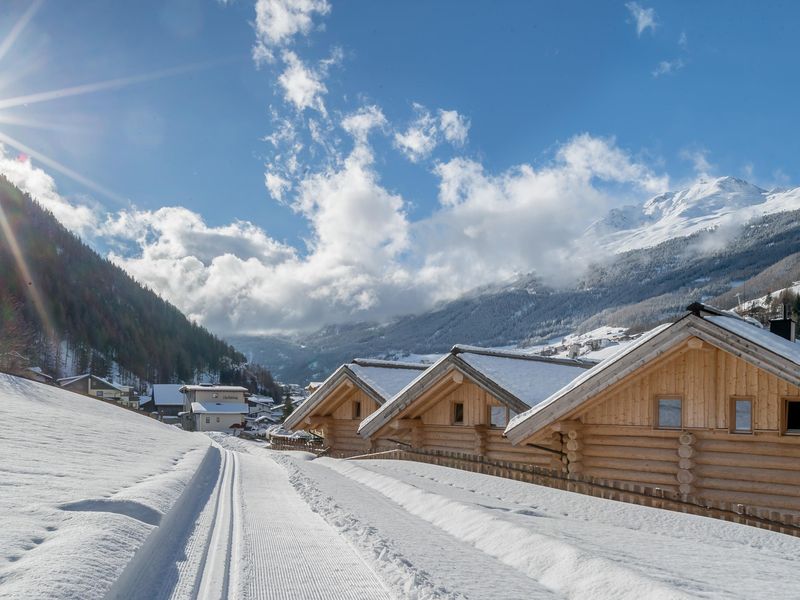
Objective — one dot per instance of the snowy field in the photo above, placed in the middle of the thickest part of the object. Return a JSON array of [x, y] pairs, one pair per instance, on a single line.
[[99, 502]]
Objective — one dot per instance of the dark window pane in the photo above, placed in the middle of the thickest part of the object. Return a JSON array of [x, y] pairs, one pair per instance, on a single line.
[[793, 416], [458, 412]]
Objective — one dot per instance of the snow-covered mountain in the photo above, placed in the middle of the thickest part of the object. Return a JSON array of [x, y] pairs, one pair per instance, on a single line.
[[709, 204]]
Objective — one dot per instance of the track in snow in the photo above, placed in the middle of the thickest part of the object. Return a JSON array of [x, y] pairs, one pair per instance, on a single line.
[[240, 531]]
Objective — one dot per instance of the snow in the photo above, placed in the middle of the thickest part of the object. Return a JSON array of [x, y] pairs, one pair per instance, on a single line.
[[81, 488], [387, 381], [88, 514], [709, 204], [220, 408], [530, 380], [762, 337]]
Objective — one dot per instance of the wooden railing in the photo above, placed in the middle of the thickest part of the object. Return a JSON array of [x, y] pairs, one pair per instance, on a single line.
[[655, 497]]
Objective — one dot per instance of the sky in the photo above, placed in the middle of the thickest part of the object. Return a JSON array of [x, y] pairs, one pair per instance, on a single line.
[[279, 165]]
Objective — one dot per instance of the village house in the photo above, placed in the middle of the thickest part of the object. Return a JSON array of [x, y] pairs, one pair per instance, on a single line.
[[355, 390], [166, 402], [213, 407], [708, 406], [465, 400], [92, 385]]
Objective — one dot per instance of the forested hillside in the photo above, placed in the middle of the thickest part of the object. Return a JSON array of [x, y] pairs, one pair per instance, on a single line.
[[59, 296]]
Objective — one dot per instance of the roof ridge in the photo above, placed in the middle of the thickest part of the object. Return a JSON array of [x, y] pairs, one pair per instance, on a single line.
[[389, 364], [464, 348]]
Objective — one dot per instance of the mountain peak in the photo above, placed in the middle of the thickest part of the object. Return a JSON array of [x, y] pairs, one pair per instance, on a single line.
[[705, 204]]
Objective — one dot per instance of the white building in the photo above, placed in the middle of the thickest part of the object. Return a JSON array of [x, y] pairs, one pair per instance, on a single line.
[[214, 407]]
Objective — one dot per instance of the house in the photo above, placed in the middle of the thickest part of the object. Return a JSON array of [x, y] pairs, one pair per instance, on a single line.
[[352, 392], [36, 374], [166, 399], [213, 407], [92, 385], [464, 401], [708, 406]]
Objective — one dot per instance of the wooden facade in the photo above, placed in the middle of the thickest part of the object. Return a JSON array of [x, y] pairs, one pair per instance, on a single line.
[[451, 411], [617, 433], [337, 406]]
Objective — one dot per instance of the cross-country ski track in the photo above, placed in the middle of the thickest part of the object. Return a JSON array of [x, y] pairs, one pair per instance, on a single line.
[[260, 524]]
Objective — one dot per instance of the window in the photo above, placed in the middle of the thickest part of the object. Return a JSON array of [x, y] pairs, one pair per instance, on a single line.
[[669, 413], [217, 419], [792, 416], [356, 410], [498, 416], [458, 413], [741, 415], [208, 419]]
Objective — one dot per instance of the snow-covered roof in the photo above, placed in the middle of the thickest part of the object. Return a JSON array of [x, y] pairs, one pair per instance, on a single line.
[[385, 377], [38, 371], [213, 388], [723, 329], [167, 394], [379, 379], [70, 380], [268, 400], [517, 378], [219, 408]]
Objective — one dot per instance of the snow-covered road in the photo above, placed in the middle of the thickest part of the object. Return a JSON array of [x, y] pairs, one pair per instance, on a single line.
[[253, 537]]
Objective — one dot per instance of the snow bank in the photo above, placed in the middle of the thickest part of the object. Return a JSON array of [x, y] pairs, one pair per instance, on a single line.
[[552, 561], [83, 484]]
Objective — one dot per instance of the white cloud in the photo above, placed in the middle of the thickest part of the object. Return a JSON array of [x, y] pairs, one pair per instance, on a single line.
[[699, 159], [302, 86], [645, 18], [360, 123], [454, 126], [667, 67], [426, 131], [492, 227], [75, 216], [683, 41], [279, 21]]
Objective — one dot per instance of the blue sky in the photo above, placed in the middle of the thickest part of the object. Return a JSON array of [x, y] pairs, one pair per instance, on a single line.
[[480, 116]]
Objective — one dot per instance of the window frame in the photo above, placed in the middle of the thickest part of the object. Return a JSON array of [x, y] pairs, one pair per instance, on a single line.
[[208, 419], [656, 414], [453, 420], [785, 400], [732, 414], [357, 409]]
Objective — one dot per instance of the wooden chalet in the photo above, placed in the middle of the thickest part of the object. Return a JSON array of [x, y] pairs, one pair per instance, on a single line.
[[465, 400], [355, 390], [708, 406]]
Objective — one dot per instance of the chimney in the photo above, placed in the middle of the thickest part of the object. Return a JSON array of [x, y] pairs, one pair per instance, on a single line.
[[786, 326]]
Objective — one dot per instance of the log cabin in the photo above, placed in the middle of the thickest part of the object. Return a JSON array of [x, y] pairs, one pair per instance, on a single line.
[[708, 406], [355, 390], [464, 401]]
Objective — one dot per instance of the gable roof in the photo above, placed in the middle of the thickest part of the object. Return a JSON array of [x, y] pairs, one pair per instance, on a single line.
[[379, 379], [219, 408], [724, 330], [64, 381], [212, 388], [167, 394], [518, 379]]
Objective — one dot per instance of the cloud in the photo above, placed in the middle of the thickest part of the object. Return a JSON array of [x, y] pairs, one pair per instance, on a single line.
[[453, 126], [79, 217], [492, 227], [668, 67], [302, 86], [426, 131], [699, 159], [279, 21], [645, 18]]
